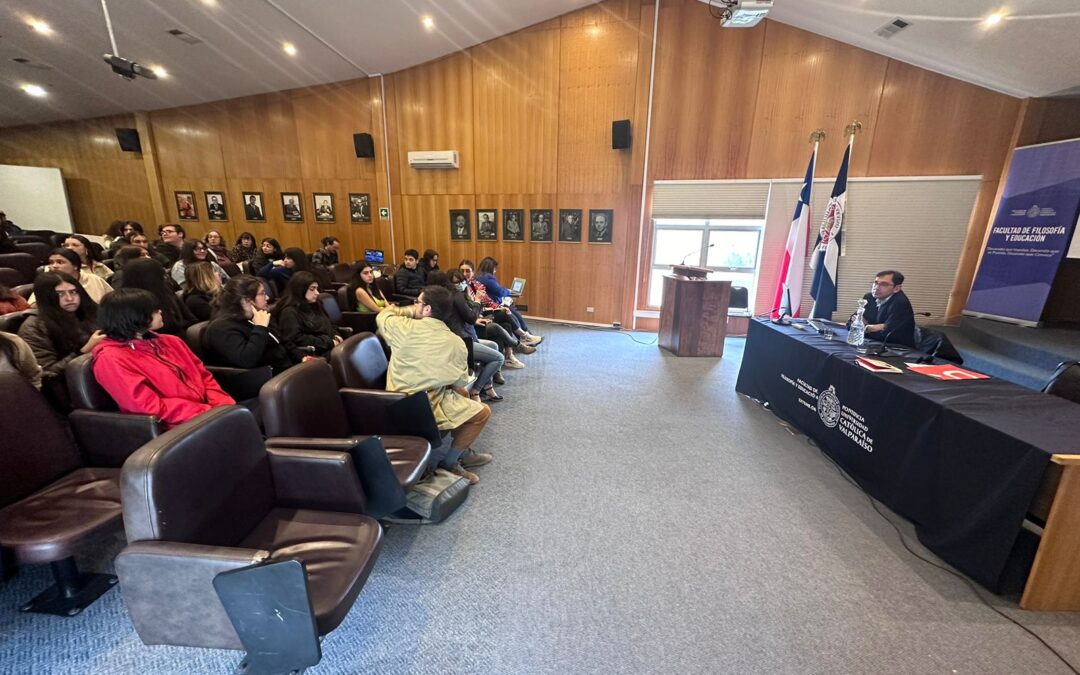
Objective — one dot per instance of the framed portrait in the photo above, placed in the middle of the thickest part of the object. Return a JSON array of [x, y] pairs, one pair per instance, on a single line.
[[359, 207], [513, 225], [459, 225], [291, 209], [185, 206], [215, 206], [487, 224], [540, 225], [570, 225], [600, 221], [323, 203], [253, 207]]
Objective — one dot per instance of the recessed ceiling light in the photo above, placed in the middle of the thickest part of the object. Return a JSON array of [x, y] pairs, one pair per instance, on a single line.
[[210, 3], [40, 26], [428, 22], [34, 90], [289, 48], [993, 20], [159, 71]]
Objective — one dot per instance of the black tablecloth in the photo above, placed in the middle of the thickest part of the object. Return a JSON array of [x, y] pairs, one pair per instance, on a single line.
[[961, 459]]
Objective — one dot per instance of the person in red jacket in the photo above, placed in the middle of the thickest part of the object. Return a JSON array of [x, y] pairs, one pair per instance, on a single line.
[[147, 373]]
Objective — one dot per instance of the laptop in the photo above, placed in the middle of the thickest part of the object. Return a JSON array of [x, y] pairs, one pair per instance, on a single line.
[[517, 287], [373, 256]]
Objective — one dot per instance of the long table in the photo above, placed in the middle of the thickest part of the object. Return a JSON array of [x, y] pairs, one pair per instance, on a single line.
[[964, 461]]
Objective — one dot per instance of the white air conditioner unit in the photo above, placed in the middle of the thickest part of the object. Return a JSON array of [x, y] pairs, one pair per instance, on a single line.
[[741, 13], [434, 159]]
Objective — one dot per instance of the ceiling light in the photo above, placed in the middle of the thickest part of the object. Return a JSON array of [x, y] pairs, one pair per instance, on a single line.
[[289, 48], [159, 71], [210, 3], [34, 90], [993, 19], [428, 22], [40, 26]]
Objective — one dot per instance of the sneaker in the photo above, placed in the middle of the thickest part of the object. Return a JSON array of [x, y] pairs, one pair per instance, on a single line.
[[471, 459], [512, 362], [533, 339], [498, 379], [459, 470], [524, 347]]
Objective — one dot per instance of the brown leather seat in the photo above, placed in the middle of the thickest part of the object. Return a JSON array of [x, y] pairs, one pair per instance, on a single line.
[[11, 277], [208, 497], [25, 263], [51, 503], [10, 322], [360, 362], [39, 249], [240, 383], [359, 322], [304, 406]]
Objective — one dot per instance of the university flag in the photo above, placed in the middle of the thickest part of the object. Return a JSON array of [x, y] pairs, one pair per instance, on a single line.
[[827, 253], [788, 298]]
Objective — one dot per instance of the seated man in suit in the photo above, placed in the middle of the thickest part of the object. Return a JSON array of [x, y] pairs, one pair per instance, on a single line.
[[888, 311]]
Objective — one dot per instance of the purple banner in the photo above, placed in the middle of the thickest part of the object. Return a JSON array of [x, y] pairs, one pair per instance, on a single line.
[[1034, 223]]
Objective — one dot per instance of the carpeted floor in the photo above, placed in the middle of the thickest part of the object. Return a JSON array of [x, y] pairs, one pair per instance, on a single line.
[[640, 517]]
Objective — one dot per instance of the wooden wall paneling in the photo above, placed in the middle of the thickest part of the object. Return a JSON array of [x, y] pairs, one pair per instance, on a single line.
[[355, 237], [326, 119], [979, 225], [388, 170], [258, 137], [1059, 119], [150, 165], [287, 234], [706, 86], [188, 142], [425, 223], [933, 125], [516, 106], [809, 82], [591, 275], [434, 110], [608, 11]]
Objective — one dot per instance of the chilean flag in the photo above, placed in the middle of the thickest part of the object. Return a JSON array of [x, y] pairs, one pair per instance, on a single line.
[[788, 298], [827, 255]]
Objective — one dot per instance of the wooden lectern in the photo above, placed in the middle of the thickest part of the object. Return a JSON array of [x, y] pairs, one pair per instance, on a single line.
[[693, 316]]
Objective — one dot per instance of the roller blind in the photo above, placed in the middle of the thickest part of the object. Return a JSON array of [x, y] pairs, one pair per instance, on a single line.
[[710, 199]]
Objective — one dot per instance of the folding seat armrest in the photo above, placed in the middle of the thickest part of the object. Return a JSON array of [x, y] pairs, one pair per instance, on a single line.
[[366, 410], [241, 383], [106, 439], [169, 592], [324, 480], [358, 322]]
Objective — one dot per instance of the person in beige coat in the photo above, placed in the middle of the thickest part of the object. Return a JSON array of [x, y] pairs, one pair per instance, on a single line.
[[427, 356]]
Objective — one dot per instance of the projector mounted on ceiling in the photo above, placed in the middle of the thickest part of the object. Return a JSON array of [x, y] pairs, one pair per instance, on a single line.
[[739, 13], [121, 66]]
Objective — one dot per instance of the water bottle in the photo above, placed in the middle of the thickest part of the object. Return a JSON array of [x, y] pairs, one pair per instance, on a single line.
[[857, 333]]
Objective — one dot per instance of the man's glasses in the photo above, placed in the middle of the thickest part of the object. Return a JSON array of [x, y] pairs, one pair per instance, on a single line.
[[883, 284]]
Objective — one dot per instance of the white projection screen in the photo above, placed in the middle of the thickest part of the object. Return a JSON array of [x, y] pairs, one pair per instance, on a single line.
[[34, 198]]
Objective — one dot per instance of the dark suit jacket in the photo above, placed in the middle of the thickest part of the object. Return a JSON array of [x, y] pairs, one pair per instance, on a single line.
[[897, 315]]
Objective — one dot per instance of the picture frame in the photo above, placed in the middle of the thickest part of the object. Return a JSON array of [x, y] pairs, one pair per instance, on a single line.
[[359, 207], [513, 225], [601, 222], [185, 205], [540, 228], [570, 225], [292, 207], [487, 225], [460, 230], [322, 204], [215, 206], [253, 207]]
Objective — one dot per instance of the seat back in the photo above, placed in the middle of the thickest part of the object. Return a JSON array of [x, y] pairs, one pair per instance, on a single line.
[[342, 272], [23, 262], [342, 297], [83, 387], [25, 290], [194, 338], [360, 362], [330, 304], [385, 284], [303, 401], [1065, 382], [206, 481], [36, 449], [740, 298], [10, 323], [11, 277], [39, 249]]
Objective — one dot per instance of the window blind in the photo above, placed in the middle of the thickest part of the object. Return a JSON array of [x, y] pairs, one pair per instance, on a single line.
[[710, 199]]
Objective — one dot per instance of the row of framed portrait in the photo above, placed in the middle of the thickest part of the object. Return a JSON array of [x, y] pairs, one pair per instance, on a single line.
[[292, 207], [540, 225]]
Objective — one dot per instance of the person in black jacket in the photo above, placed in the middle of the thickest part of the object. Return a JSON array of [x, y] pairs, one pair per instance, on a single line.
[[302, 323], [149, 275], [240, 334], [461, 320], [202, 287], [888, 314], [409, 280]]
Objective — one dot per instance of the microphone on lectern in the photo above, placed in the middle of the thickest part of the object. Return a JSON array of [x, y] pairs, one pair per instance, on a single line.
[[691, 251]]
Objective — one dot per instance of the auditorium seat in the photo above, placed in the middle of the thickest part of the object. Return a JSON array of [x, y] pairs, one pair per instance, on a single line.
[[10, 277], [740, 299], [359, 322], [25, 263], [360, 362], [52, 501], [342, 272], [208, 497], [39, 249], [25, 290], [1065, 382], [304, 402], [10, 323], [241, 383]]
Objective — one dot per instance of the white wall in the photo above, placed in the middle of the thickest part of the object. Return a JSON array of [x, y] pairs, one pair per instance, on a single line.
[[34, 198]]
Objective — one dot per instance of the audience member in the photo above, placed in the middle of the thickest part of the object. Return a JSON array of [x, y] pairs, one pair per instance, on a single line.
[[244, 249], [498, 313], [17, 357], [327, 256], [486, 329], [67, 261], [295, 260], [194, 251], [168, 247], [460, 320], [239, 334], [114, 233], [368, 299], [88, 257], [426, 356], [147, 373], [429, 262], [302, 323], [485, 274], [269, 253], [124, 255], [10, 301], [409, 280], [64, 326], [201, 289], [147, 274], [215, 243]]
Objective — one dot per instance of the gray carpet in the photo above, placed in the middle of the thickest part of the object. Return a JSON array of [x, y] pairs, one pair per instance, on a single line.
[[640, 517]]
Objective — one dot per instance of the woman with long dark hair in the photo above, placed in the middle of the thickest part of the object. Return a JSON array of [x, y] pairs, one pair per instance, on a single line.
[[429, 262], [485, 274], [365, 293], [461, 319], [293, 261], [486, 329], [240, 335], [269, 253], [17, 357], [147, 373], [65, 325], [88, 256], [244, 248], [149, 275], [302, 323], [192, 252]]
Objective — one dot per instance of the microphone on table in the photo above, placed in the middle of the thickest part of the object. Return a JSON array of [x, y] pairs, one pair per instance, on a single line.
[[881, 350], [691, 252]]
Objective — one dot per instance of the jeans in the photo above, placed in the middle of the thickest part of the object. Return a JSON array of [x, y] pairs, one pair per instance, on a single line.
[[490, 359], [520, 319]]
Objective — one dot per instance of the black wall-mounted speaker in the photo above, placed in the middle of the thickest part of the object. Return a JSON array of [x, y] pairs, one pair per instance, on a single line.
[[129, 140], [620, 134], [365, 146]]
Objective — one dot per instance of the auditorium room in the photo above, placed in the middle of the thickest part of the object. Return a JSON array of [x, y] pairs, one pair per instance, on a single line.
[[539, 336]]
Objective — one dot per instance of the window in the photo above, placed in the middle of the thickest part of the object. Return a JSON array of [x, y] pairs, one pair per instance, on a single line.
[[729, 248]]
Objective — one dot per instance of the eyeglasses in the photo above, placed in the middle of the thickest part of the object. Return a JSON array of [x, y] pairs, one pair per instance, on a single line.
[[883, 284], [168, 231]]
